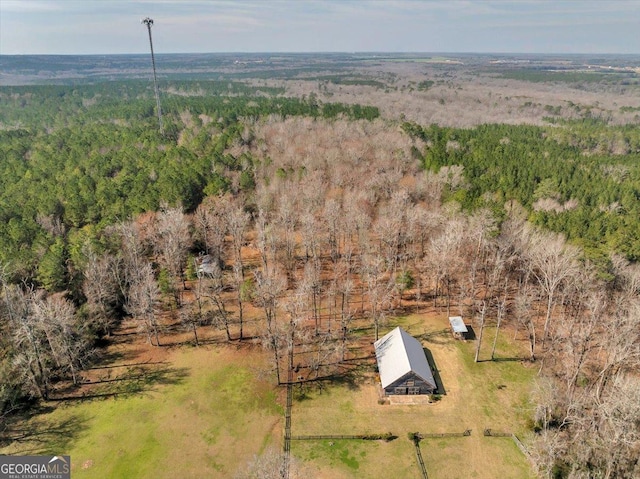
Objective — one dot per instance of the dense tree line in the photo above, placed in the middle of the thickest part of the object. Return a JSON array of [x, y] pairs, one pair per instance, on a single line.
[[320, 217], [590, 196], [376, 228], [77, 158]]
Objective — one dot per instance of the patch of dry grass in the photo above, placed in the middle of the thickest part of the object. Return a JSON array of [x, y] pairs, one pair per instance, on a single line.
[[208, 423], [478, 396], [214, 407]]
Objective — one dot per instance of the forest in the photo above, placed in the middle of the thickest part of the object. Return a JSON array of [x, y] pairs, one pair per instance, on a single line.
[[331, 193]]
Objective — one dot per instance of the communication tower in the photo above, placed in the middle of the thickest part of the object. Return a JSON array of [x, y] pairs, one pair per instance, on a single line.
[[149, 23]]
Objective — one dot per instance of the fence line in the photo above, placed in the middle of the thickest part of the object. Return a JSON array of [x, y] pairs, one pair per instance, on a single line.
[[516, 440], [492, 433], [362, 437], [423, 468], [422, 435], [287, 428], [521, 446]]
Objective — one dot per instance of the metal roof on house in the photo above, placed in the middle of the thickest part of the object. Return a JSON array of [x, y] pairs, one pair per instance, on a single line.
[[398, 353], [457, 324]]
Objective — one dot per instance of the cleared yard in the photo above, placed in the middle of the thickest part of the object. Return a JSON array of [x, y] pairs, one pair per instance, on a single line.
[[207, 418], [205, 412], [478, 396]]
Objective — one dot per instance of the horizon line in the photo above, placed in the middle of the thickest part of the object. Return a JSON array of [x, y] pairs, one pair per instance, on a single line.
[[363, 52]]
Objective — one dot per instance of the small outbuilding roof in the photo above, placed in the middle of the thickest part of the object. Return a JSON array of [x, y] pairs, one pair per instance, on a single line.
[[398, 353], [206, 265], [457, 324]]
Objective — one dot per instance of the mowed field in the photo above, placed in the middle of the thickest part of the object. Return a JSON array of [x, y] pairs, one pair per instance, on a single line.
[[200, 412], [189, 412], [489, 394]]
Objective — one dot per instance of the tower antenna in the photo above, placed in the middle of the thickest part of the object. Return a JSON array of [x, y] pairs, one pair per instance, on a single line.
[[149, 23]]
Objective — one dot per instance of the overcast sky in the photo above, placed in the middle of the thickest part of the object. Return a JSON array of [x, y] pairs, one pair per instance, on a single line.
[[524, 26]]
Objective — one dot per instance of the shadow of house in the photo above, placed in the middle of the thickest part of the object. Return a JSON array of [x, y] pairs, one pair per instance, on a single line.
[[470, 334], [436, 373]]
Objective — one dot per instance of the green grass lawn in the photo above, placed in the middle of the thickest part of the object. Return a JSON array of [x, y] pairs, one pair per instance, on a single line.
[[205, 412], [207, 421], [339, 459], [478, 396]]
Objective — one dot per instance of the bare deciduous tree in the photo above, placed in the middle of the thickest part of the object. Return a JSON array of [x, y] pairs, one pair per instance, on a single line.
[[238, 222], [195, 314], [311, 286], [444, 258], [379, 287], [285, 223], [210, 225], [331, 215], [391, 228], [553, 262], [132, 257], [172, 240], [213, 288], [482, 310], [142, 304], [32, 359], [310, 235], [67, 345], [269, 286], [523, 310], [100, 287], [501, 307], [47, 338]]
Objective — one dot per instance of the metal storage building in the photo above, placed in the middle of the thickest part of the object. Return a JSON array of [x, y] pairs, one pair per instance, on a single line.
[[458, 327], [402, 365]]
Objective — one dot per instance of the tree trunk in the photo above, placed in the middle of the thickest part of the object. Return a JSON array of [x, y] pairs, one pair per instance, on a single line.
[[222, 312], [532, 340], [344, 342], [376, 323], [240, 315], [482, 314], [547, 319], [448, 297], [195, 333], [495, 339], [276, 358], [315, 308]]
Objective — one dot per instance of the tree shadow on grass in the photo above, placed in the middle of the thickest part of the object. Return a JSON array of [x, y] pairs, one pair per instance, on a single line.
[[32, 436], [125, 365], [441, 336], [350, 378], [135, 380], [499, 360], [106, 356], [202, 341], [347, 375]]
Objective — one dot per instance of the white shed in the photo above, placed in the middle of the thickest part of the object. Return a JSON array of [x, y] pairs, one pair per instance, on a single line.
[[458, 327]]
